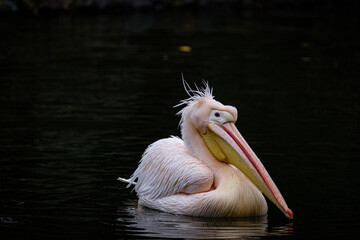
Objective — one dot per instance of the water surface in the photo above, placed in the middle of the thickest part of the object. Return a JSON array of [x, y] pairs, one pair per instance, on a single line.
[[82, 97]]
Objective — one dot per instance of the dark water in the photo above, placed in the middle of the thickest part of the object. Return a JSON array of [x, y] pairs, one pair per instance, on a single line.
[[82, 96]]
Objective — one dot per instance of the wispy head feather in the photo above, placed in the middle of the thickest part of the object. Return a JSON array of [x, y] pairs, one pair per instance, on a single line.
[[195, 95]]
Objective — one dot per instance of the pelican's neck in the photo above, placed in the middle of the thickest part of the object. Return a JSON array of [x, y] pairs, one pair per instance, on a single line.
[[198, 149]]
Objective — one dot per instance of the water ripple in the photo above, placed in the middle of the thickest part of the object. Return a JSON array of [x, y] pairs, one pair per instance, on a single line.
[[143, 222]]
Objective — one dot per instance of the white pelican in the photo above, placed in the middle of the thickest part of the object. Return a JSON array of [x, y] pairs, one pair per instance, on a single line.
[[210, 172]]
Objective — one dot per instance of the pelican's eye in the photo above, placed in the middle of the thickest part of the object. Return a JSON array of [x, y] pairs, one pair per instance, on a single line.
[[220, 117]]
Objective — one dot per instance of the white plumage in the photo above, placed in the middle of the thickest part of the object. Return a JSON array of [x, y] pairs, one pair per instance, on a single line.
[[183, 176], [178, 171]]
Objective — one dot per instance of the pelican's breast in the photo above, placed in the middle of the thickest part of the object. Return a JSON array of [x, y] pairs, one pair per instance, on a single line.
[[235, 195]]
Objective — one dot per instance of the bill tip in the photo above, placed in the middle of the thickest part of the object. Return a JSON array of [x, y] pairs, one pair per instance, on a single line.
[[290, 214]]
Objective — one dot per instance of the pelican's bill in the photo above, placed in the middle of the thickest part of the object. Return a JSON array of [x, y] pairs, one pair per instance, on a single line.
[[227, 144]]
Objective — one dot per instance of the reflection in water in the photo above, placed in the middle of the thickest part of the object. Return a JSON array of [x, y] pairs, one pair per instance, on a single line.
[[145, 222]]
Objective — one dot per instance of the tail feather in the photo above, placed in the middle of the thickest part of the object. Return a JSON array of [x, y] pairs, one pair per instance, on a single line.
[[126, 181]]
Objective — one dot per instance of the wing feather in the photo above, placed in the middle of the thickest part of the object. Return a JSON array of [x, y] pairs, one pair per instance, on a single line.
[[167, 169]]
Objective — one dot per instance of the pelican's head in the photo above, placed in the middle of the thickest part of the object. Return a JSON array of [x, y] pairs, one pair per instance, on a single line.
[[215, 123]]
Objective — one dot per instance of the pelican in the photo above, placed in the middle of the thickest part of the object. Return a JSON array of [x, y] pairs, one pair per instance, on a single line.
[[210, 172]]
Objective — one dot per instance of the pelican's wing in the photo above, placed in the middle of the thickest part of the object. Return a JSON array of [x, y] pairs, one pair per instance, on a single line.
[[167, 169]]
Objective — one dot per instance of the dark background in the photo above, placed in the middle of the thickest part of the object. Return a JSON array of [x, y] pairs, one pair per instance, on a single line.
[[85, 87]]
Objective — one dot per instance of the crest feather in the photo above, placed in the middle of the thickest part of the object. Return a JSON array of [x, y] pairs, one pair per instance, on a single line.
[[195, 95]]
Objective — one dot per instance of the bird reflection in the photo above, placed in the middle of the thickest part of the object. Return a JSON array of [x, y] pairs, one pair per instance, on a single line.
[[145, 222]]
